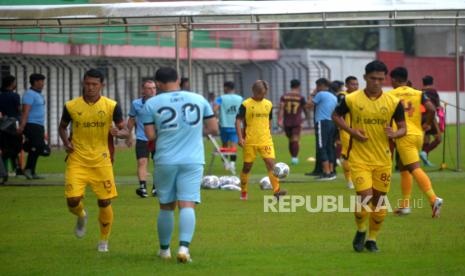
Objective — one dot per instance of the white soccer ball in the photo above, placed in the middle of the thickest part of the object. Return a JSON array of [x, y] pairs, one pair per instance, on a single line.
[[210, 182], [230, 187], [281, 170], [229, 180], [265, 183]]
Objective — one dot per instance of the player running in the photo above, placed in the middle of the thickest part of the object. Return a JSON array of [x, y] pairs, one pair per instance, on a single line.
[[369, 155], [176, 119], [253, 127], [88, 160], [409, 146], [291, 106]]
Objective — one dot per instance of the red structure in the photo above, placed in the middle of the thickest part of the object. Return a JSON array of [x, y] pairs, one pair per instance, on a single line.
[[442, 69]]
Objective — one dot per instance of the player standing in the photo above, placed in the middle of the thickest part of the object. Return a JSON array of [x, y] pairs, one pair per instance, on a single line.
[[351, 83], [143, 146], [436, 128], [369, 155], [228, 105], [175, 118], [410, 145], [253, 127], [88, 160], [290, 118]]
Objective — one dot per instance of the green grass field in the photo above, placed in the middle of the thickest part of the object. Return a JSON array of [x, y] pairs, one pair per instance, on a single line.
[[232, 237]]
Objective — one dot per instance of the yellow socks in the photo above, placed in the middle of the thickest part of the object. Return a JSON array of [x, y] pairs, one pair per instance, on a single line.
[[244, 182], [376, 220], [78, 210], [105, 219], [346, 168], [406, 186], [425, 184], [360, 220], [274, 182]]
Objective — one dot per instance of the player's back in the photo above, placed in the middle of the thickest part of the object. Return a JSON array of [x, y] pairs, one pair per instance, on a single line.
[[411, 100], [178, 118], [293, 106], [229, 107]]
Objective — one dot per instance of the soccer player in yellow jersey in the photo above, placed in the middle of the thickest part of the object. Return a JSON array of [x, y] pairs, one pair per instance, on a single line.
[[409, 146], [351, 83], [369, 155], [88, 160], [253, 127]]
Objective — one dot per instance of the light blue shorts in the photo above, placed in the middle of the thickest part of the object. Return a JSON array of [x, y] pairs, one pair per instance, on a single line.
[[178, 182]]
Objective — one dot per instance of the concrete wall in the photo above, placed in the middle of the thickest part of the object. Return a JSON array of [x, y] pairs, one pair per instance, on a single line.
[[438, 41]]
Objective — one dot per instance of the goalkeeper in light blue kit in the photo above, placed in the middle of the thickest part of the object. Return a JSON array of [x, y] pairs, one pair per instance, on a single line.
[[176, 118]]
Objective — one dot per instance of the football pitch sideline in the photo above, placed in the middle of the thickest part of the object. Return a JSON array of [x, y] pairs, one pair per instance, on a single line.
[[232, 236]]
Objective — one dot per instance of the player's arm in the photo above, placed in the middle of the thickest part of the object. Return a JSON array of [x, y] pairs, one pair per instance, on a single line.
[[119, 130], [310, 100], [240, 118], [399, 118], [430, 111], [24, 115], [211, 125], [130, 126], [149, 129], [63, 130], [338, 117]]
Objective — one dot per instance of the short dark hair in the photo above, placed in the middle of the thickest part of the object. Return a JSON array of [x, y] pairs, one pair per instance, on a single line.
[[322, 81], [7, 81], [349, 79], [183, 80], [229, 84], [94, 73], [166, 74], [399, 74], [376, 66], [428, 80], [35, 77], [295, 83], [336, 86]]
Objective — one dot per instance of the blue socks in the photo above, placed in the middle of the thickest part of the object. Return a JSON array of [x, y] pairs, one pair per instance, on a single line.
[[165, 225], [186, 225]]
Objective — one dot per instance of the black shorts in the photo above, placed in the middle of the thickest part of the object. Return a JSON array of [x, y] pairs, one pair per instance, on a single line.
[[144, 148], [326, 137], [35, 137], [291, 131]]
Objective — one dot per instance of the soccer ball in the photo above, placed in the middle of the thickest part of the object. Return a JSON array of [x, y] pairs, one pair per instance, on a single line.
[[265, 183], [281, 170], [210, 182], [229, 180], [230, 187]]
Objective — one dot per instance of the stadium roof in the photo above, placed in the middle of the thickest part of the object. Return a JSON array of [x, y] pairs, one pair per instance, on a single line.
[[239, 15]]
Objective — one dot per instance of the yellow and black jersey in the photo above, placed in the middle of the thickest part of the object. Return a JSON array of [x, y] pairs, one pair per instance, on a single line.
[[90, 127], [372, 116], [412, 100], [256, 117], [343, 135]]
